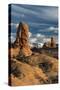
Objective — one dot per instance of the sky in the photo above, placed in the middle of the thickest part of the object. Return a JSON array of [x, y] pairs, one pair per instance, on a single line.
[[42, 21]]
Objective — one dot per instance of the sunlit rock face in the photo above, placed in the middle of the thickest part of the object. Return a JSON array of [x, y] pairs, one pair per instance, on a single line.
[[22, 39]]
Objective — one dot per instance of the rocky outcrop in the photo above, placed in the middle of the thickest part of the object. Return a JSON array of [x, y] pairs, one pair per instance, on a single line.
[[34, 70], [53, 44], [25, 74], [50, 44], [24, 44], [21, 44]]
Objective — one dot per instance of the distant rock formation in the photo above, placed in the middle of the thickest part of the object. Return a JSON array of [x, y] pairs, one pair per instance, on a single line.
[[53, 44], [50, 44], [45, 45]]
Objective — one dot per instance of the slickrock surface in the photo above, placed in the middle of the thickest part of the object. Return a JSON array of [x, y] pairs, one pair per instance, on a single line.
[[24, 74], [34, 70]]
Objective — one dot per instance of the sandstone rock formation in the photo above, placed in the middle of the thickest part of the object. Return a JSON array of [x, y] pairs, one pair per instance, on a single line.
[[50, 44], [38, 69], [24, 44], [45, 45], [21, 44], [25, 74], [53, 44]]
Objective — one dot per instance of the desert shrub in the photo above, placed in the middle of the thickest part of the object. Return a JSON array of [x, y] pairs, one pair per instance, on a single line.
[[54, 79], [22, 58], [45, 66], [42, 80], [15, 70]]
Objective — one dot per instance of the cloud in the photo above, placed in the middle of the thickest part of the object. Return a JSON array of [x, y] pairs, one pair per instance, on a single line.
[[12, 24], [33, 40], [39, 35], [13, 37], [49, 29], [53, 29], [30, 34], [46, 39], [38, 25], [13, 34], [33, 12], [17, 14], [51, 13], [36, 38], [39, 39]]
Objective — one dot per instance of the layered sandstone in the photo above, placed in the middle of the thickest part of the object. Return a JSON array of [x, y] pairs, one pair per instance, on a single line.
[[21, 44], [23, 40]]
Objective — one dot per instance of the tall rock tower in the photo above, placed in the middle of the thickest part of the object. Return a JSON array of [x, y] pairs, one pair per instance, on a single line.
[[53, 44], [22, 39]]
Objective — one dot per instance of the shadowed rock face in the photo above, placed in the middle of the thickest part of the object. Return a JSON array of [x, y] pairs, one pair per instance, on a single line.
[[22, 39]]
